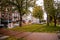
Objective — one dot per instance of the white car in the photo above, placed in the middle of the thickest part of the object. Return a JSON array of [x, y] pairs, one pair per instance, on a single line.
[[1, 25]]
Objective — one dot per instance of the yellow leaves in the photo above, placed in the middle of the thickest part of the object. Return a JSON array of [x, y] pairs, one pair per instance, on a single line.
[[38, 12]]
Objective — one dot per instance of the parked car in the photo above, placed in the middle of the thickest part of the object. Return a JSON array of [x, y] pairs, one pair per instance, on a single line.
[[43, 22], [1, 25], [5, 22]]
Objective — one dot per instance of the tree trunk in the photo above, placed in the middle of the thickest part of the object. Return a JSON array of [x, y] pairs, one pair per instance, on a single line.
[[20, 11], [55, 21], [20, 21], [47, 20], [39, 21], [20, 17]]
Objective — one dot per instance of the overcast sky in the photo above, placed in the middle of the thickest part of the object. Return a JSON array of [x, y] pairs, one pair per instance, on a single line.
[[39, 2]]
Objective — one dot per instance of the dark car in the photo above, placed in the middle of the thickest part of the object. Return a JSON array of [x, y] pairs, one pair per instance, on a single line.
[[5, 23]]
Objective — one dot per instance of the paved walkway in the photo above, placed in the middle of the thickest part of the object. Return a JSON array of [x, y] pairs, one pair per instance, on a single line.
[[42, 36], [30, 35]]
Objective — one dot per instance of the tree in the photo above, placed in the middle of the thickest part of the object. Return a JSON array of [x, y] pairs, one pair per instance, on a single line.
[[4, 12], [57, 5], [50, 10], [20, 5], [23, 6], [38, 12]]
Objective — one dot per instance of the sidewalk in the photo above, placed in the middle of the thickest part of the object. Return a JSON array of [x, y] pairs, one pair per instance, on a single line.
[[42, 36], [14, 33], [30, 35]]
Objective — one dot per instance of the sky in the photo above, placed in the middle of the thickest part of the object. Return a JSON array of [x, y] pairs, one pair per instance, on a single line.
[[39, 2]]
